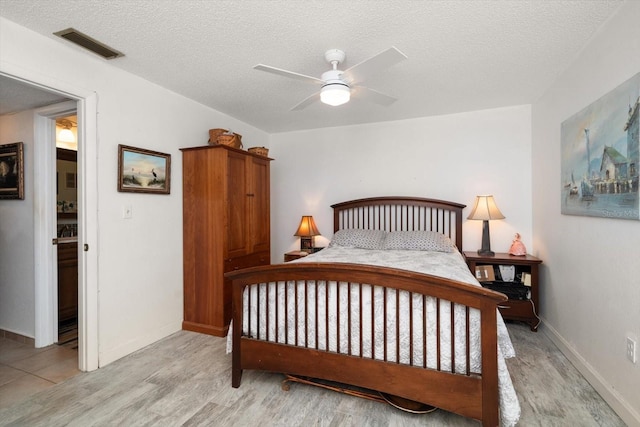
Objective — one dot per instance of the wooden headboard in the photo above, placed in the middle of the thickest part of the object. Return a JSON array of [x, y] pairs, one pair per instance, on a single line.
[[401, 214]]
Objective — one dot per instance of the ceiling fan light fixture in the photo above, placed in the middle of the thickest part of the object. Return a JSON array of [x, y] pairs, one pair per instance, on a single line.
[[335, 94], [335, 84]]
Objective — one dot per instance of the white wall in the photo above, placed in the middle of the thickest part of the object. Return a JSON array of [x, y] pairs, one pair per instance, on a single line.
[[591, 272], [17, 310], [139, 259], [452, 157]]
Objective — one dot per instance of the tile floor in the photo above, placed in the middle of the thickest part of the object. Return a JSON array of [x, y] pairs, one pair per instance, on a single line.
[[25, 370]]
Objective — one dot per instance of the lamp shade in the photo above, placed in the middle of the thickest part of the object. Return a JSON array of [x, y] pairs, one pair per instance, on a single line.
[[335, 94], [485, 209], [307, 227]]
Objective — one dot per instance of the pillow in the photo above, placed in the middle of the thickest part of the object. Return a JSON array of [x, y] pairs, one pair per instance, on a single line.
[[419, 241], [357, 238]]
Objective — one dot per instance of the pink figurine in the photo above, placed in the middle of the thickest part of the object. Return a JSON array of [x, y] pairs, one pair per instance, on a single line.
[[517, 247]]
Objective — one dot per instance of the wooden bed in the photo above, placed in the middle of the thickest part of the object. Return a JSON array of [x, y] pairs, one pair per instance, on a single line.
[[471, 394]]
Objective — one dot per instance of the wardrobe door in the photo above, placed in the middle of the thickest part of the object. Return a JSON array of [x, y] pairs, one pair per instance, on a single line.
[[258, 199], [203, 173], [236, 222]]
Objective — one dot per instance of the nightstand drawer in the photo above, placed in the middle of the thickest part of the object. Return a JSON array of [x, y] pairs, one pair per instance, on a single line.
[[516, 309], [253, 260], [290, 256]]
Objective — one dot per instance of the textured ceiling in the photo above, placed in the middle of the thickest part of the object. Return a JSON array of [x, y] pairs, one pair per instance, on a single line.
[[463, 55], [16, 96]]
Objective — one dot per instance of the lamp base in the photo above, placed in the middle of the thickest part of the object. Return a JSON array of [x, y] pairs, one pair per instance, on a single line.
[[486, 240], [306, 244], [486, 253]]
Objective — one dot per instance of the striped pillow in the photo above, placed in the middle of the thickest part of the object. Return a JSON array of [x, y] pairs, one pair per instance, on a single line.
[[418, 241], [357, 238]]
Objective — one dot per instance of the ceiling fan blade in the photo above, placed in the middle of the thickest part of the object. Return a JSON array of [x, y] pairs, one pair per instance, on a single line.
[[306, 102], [364, 69], [374, 96], [287, 73]]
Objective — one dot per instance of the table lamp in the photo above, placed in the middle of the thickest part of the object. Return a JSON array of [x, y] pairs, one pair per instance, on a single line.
[[485, 209], [306, 230]]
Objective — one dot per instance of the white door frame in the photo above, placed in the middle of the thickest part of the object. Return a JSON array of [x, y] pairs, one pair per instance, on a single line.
[[86, 105]]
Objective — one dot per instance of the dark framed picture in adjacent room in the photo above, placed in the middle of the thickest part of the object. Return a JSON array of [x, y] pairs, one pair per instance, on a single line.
[[143, 171], [12, 171]]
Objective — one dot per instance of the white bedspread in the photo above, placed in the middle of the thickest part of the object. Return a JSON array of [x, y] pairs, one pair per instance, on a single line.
[[447, 265]]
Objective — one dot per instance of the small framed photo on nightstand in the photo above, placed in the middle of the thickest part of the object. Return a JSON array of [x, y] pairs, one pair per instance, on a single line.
[[484, 273]]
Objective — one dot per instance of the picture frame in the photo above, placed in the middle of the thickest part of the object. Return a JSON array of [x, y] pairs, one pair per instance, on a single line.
[[485, 273], [12, 171], [143, 171], [600, 155]]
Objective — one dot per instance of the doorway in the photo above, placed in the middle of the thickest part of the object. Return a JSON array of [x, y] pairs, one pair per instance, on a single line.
[[45, 216]]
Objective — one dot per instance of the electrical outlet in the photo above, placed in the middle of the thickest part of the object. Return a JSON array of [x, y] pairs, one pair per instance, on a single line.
[[631, 350], [127, 212]]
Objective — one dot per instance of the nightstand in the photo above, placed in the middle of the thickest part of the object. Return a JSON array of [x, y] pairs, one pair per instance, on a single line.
[[290, 256], [526, 309]]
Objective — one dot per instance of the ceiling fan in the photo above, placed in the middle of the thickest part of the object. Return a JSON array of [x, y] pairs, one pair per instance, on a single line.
[[336, 86]]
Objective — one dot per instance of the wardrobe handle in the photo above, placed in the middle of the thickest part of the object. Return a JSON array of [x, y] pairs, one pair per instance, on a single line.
[[250, 195]]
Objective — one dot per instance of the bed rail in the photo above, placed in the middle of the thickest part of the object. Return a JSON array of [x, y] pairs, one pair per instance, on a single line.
[[316, 349]]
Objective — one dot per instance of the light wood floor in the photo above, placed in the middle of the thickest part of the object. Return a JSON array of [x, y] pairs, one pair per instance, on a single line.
[[185, 379]]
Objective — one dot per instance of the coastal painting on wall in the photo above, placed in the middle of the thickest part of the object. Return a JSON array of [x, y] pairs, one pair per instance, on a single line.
[[11, 171], [143, 171], [600, 160]]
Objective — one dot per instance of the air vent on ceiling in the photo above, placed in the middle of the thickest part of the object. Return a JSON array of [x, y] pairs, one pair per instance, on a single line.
[[75, 36]]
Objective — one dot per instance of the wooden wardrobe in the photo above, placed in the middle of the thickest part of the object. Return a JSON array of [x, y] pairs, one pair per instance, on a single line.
[[225, 227]]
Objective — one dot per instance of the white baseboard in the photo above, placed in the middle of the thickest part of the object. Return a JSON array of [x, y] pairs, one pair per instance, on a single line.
[[131, 346], [628, 414]]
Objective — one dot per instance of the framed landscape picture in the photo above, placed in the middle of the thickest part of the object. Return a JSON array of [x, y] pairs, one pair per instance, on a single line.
[[12, 171], [601, 156], [143, 171]]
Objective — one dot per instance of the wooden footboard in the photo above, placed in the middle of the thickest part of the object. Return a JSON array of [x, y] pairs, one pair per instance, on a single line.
[[454, 383]]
